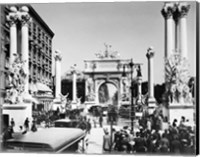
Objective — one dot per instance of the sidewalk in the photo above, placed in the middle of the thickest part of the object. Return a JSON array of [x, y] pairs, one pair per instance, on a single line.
[[95, 141]]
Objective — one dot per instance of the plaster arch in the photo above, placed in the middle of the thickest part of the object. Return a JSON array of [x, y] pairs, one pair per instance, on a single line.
[[115, 83]]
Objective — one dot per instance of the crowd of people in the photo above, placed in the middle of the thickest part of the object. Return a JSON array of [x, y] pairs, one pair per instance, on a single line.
[[177, 139], [150, 137]]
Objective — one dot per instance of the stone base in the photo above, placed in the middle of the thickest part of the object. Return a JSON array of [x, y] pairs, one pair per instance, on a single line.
[[74, 105], [151, 105], [57, 104], [89, 104], [176, 111], [19, 112]]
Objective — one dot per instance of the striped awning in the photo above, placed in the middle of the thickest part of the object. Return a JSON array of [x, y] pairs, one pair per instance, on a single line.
[[35, 87], [42, 87]]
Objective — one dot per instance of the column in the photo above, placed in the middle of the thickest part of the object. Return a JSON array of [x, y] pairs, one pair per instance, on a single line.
[[25, 19], [58, 59], [183, 9], [12, 19], [151, 99], [139, 90], [139, 83], [74, 86], [167, 13]]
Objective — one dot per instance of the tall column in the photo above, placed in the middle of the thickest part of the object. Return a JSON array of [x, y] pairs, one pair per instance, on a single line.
[[25, 19], [139, 82], [139, 89], [12, 19], [167, 13], [74, 86], [151, 99], [183, 9], [58, 59]]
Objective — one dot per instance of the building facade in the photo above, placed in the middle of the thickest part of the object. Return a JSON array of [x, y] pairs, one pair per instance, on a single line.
[[40, 54]]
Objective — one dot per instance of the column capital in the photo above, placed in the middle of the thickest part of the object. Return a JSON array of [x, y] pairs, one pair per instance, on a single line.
[[168, 10], [150, 53], [12, 16], [182, 10], [24, 16], [58, 56]]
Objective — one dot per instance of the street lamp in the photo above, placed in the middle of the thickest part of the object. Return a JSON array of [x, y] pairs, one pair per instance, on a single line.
[[132, 65]]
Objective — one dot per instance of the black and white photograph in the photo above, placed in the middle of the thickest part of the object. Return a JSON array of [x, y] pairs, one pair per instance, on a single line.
[[99, 78]]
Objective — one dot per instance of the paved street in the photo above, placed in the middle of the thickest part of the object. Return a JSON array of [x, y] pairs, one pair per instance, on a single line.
[[95, 138], [95, 141]]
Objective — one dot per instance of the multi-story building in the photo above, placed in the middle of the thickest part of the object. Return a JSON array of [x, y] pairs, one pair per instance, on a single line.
[[40, 46], [40, 54]]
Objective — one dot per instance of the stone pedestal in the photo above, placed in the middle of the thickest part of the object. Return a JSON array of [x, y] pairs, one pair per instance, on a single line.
[[58, 104], [74, 105], [176, 111], [151, 105], [19, 112]]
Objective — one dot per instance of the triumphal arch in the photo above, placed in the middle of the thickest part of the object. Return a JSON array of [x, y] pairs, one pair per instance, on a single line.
[[107, 68]]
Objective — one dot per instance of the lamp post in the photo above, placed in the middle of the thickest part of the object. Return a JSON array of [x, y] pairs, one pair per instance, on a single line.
[[139, 75], [131, 64]]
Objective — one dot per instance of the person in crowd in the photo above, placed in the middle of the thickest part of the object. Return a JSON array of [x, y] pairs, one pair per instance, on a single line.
[[26, 124], [82, 124], [101, 121], [182, 121], [33, 127], [117, 140], [106, 141], [174, 123], [175, 145], [164, 144], [89, 126], [12, 122]]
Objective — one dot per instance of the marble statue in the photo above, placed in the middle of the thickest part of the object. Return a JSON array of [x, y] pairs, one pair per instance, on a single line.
[[16, 77]]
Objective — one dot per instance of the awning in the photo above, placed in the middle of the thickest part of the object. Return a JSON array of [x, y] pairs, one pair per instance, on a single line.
[[33, 87], [42, 87], [35, 100]]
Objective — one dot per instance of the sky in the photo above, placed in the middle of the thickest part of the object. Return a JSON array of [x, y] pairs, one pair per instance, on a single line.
[[81, 29]]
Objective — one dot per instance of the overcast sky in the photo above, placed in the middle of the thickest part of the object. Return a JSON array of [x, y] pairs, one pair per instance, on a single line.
[[81, 29]]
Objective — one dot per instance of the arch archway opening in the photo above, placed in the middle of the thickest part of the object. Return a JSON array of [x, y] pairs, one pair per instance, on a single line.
[[108, 94]]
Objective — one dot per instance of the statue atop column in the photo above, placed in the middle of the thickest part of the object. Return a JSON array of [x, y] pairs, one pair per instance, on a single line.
[[58, 55]]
